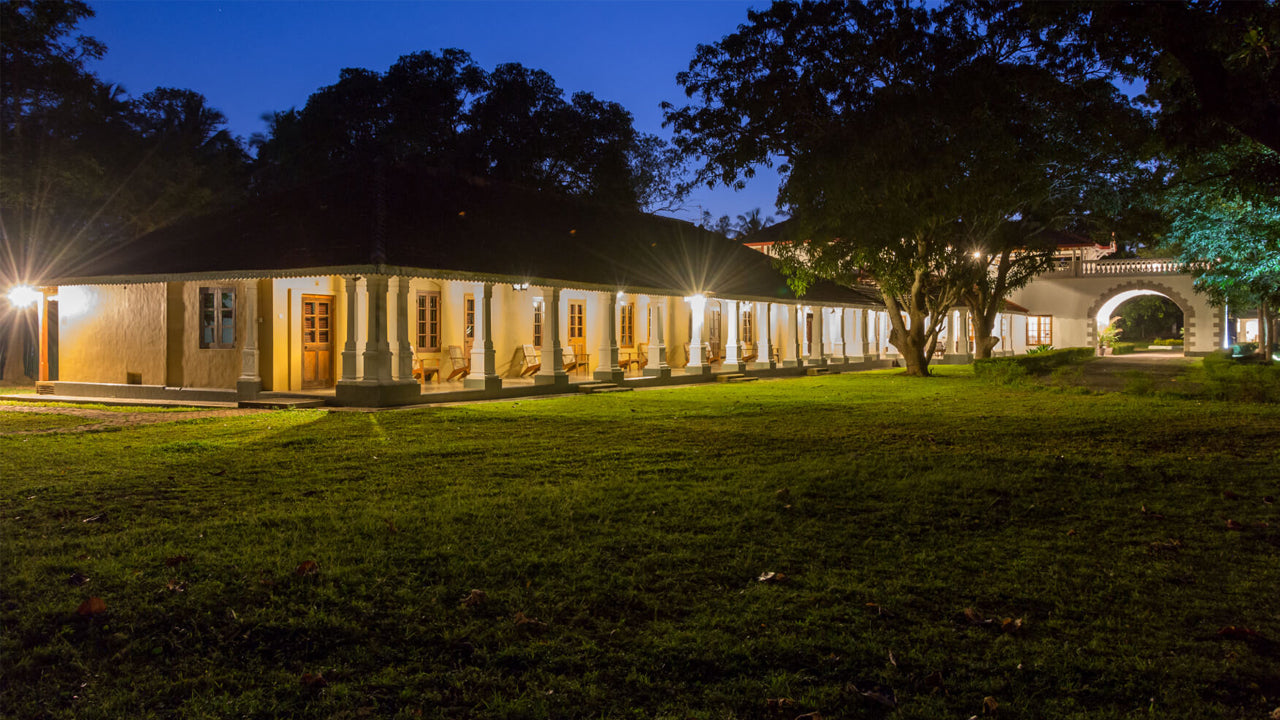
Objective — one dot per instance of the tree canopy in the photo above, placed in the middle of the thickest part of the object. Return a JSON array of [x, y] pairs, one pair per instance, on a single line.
[[925, 149], [84, 166], [441, 109]]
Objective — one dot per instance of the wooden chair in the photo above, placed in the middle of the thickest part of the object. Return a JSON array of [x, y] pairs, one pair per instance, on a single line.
[[425, 367], [531, 363], [459, 362], [583, 357], [752, 352], [713, 353], [569, 358], [637, 361]]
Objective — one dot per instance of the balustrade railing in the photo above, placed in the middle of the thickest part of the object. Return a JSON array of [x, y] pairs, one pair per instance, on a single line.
[[1127, 266]]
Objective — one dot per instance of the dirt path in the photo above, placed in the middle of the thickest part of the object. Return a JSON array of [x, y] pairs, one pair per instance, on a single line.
[[100, 420], [1114, 372]]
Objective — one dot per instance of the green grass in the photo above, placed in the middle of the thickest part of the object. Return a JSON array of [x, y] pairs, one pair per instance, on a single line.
[[11, 422], [634, 527]]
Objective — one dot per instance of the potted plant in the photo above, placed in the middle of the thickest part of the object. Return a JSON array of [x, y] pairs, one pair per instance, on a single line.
[[1107, 338]]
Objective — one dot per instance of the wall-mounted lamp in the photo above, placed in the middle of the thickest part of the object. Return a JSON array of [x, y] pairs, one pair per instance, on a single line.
[[24, 296]]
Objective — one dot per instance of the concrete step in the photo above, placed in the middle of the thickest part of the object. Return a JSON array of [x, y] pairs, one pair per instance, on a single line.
[[281, 403], [819, 371], [601, 387], [734, 378]]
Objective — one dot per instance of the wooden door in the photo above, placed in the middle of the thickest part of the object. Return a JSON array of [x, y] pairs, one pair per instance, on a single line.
[[317, 341]]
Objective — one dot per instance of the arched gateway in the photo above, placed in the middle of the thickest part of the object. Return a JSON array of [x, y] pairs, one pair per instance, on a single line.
[[1082, 297]]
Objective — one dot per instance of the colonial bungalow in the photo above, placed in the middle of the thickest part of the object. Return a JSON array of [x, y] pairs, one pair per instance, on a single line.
[[402, 286]]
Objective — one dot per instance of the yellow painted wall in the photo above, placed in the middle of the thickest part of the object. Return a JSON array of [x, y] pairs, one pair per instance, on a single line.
[[108, 331]]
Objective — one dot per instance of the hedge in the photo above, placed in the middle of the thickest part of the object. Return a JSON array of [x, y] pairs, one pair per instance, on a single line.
[[1038, 364], [1123, 348], [1168, 342]]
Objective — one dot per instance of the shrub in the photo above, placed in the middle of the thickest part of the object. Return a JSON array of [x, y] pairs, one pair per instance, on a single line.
[[1039, 349], [1123, 348], [1035, 364], [1225, 378], [1246, 348], [1167, 342]]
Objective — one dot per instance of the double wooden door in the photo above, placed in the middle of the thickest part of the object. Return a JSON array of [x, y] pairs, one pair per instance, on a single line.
[[317, 341]]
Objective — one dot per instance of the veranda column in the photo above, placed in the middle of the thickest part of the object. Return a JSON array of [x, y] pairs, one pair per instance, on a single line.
[[657, 365], [349, 347], [484, 372], [403, 367], [377, 351], [837, 335], [818, 333], [552, 371], [797, 333], [608, 368], [962, 332], [731, 334], [697, 304], [249, 384], [764, 335], [864, 332]]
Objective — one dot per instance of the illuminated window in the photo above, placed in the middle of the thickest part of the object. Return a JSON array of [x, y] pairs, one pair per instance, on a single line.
[[627, 325], [217, 317], [537, 322], [469, 320], [1039, 330], [577, 321], [429, 321]]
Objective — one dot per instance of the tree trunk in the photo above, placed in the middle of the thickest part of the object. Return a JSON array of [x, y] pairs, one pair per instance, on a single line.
[[983, 342], [912, 342], [1266, 337]]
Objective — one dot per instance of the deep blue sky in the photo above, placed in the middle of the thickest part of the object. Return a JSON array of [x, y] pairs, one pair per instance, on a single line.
[[251, 58]]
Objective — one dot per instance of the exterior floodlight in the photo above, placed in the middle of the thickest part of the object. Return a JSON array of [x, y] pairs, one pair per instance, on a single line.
[[977, 255], [520, 286], [24, 296]]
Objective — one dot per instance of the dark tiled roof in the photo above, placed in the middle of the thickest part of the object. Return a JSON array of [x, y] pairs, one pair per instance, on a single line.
[[430, 221]]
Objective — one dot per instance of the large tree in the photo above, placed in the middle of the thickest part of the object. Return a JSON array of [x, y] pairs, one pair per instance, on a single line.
[[922, 149], [512, 124], [84, 167], [1226, 227]]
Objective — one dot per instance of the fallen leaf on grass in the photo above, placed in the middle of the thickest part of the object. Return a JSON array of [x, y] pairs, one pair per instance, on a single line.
[[1071, 532], [1238, 632], [989, 705], [815, 715], [1268, 499], [76, 579], [892, 660], [1150, 514], [391, 525], [95, 518], [307, 567], [1011, 625], [1228, 495], [1233, 525], [934, 679], [975, 618], [776, 706], [879, 696], [772, 577], [175, 586], [176, 560], [92, 606], [1275, 714], [524, 621], [315, 681], [474, 598]]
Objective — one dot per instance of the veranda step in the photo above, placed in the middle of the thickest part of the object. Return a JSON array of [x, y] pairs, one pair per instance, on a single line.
[[819, 371], [735, 378], [601, 387], [281, 403]]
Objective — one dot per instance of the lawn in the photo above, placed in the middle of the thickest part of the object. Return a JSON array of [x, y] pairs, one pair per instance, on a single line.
[[941, 548]]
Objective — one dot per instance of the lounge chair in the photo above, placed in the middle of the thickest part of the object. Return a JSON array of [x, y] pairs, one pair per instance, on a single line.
[[751, 354], [569, 359], [638, 361], [531, 363], [459, 361]]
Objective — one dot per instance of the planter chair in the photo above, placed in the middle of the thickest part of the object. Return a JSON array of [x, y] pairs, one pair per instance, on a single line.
[[751, 354], [569, 358], [582, 357], [713, 354], [640, 359], [459, 361], [531, 363]]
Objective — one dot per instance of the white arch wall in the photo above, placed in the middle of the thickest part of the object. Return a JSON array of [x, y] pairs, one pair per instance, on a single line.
[[1076, 302]]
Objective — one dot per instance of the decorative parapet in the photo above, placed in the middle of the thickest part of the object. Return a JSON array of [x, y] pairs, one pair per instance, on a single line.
[[1130, 267]]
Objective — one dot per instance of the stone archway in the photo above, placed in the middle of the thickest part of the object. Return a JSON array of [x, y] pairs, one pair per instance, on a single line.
[[1118, 294]]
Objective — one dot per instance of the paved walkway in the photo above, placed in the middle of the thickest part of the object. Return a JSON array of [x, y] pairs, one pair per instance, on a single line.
[[1112, 372]]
